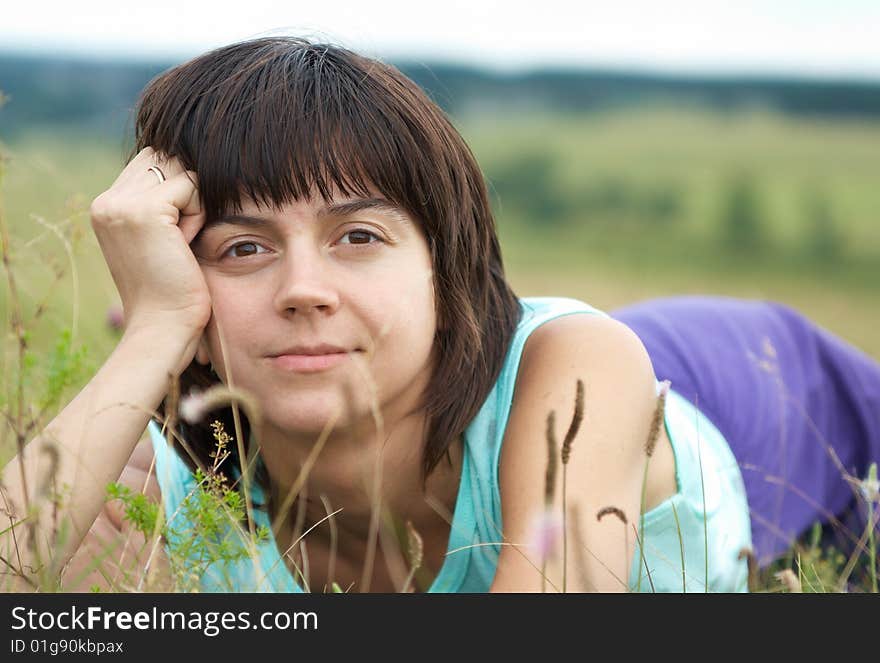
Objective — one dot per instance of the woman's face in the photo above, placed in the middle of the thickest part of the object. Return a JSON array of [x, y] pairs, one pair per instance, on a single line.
[[354, 275]]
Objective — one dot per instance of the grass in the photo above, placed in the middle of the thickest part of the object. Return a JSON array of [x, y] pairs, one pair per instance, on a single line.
[[62, 289], [696, 153]]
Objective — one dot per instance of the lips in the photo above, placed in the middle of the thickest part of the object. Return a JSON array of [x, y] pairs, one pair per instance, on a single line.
[[310, 359], [313, 350]]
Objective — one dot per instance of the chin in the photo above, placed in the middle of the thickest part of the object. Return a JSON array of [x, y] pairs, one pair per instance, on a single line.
[[309, 414]]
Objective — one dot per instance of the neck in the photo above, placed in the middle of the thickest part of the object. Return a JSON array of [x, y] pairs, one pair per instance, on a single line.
[[375, 481]]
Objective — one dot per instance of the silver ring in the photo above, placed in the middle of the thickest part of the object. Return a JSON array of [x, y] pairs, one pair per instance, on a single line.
[[158, 173]]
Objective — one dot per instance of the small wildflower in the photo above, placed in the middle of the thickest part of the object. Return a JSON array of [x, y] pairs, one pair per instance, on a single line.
[[870, 486], [193, 407], [220, 453], [546, 532], [789, 580], [115, 318]]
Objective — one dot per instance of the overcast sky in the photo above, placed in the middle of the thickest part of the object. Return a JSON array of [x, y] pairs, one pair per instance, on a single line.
[[834, 38]]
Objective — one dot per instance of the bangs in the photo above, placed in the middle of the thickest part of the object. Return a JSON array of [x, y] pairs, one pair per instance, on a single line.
[[278, 120]]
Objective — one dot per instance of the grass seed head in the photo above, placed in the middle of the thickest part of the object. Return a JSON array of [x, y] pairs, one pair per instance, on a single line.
[[550, 478], [415, 545], [575, 422], [611, 510], [657, 419]]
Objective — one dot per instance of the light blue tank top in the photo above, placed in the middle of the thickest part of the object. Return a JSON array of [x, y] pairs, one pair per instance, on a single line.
[[691, 541]]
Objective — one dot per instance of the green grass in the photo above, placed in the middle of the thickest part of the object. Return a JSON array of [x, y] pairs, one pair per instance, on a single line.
[[698, 152], [611, 257], [608, 259]]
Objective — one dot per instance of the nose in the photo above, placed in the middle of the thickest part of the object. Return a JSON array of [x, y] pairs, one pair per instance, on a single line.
[[305, 283]]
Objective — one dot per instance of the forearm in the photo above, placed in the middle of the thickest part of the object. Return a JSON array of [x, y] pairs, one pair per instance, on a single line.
[[82, 450]]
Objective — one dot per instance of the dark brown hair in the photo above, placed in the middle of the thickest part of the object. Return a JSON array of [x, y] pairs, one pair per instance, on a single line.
[[278, 119]]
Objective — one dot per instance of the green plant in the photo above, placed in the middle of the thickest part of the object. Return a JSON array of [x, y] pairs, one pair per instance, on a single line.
[[207, 528]]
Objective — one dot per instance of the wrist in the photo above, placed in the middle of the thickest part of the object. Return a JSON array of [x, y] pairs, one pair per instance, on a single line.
[[159, 346]]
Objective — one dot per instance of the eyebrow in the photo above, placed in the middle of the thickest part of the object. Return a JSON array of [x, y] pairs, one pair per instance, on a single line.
[[335, 210]]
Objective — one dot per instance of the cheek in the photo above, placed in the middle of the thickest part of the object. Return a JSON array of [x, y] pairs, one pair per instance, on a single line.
[[413, 321], [233, 314]]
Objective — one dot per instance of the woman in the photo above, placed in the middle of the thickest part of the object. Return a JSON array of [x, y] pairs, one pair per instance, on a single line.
[[303, 224]]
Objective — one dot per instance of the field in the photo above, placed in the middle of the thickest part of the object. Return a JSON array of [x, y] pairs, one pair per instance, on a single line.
[[609, 250], [611, 209], [613, 254]]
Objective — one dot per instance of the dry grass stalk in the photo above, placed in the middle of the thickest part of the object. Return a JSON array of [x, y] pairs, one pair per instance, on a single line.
[[331, 563], [549, 482], [566, 454], [299, 524], [752, 562], [254, 415], [17, 323], [392, 539], [294, 491], [580, 562], [375, 488], [172, 401], [643, 560]]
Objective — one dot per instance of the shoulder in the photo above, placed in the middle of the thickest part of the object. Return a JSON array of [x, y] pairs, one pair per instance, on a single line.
[[607, 453], [581, 330], [597, 349]]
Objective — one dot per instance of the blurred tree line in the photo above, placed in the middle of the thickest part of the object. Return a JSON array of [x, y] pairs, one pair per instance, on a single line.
[[528, 186], [460, 88], [96, 96]]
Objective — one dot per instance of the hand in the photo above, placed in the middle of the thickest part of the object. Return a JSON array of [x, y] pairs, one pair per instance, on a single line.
[[144, 228]]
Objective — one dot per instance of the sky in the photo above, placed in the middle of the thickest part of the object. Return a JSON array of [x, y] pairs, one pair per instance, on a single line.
[[824, 38]]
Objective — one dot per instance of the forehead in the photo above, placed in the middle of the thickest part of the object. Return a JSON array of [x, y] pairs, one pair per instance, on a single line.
[[252, 213]]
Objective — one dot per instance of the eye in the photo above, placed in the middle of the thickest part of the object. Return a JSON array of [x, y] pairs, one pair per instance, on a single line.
[[359, 236], [244, 249]]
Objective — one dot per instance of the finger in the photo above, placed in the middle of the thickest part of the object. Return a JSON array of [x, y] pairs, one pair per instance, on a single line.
[[182, 192], [139, 173], [190, 225], [139, 162], [170, 166]]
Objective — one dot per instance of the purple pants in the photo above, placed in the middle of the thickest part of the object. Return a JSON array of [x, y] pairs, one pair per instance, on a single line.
[[799, 407]]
